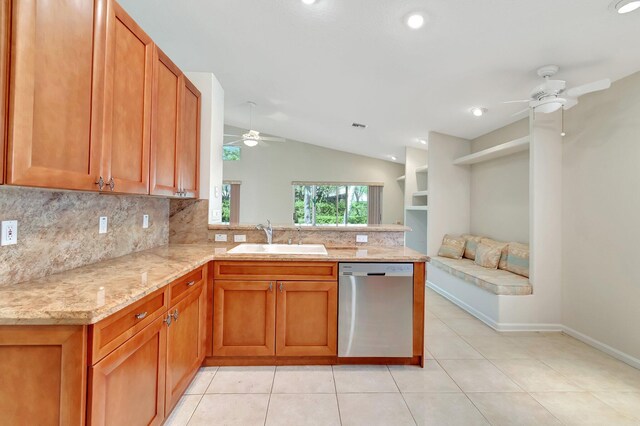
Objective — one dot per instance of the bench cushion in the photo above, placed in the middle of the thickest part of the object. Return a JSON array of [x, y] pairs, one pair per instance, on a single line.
[[496, 281]]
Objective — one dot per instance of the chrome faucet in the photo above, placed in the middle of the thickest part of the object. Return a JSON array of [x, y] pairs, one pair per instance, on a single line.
[[268, 230]]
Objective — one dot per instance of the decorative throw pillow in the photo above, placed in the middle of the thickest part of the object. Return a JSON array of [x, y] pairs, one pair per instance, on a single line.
[[487, 256], [470, 246], [452, 247], [518, 259], [503, 247]]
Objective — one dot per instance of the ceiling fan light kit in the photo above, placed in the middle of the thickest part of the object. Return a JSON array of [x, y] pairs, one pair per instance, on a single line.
[[625, 6]]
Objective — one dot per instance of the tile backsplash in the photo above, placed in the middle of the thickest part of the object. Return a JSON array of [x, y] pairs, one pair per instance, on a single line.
[[58, 230]]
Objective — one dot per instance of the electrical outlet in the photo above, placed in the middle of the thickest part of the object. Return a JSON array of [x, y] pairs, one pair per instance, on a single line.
[[145, 221], [240, 238], [362, 238], [221, 237], [9, 232], [103, 225]]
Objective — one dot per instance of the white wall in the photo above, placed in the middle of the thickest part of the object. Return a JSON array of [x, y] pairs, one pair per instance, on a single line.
[[449, 189], [267, 171], [211, 138], [500, 188], [600, 229]]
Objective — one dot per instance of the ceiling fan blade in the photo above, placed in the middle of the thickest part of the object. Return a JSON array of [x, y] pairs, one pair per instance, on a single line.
[[517, 102], [595, 86], [571, 102], [232, 142], [520, 112], [272, 139]]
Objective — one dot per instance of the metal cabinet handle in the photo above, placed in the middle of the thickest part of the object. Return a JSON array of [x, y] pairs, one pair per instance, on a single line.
[[111, 184], [281, 287], [141, 315], [271, 286], [168, 320], [175, 315], [190, 283], [100, 183]]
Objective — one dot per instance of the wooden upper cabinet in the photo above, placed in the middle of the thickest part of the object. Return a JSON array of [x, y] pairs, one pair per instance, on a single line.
[[55, 93], [189, 148], [307, 318], [5, 20], [127, 122], [164, 125], [244, 318]]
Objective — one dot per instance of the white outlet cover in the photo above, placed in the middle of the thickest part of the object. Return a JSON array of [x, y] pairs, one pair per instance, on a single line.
[[103, 225], [221, 237], [240, 238], [145, 221], [362, 238], [9, 233]]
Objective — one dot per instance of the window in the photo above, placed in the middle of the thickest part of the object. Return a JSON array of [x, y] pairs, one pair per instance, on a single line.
[[226, 202], [336, 204], [230, 153], [230, 202]]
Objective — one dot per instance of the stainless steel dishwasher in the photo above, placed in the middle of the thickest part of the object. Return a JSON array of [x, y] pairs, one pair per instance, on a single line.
[[375, 310]]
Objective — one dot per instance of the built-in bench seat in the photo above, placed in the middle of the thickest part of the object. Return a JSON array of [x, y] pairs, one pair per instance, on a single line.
[[496, 281]]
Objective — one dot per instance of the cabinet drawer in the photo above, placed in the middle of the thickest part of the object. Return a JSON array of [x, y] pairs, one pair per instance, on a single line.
[[230, 270], [112, 331], [180, 287]]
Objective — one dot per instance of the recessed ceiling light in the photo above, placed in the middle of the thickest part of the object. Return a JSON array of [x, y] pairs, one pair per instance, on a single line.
[[478, 112], [393, 157], [308, 1], [625, 6], [415, 21], [422, 141]]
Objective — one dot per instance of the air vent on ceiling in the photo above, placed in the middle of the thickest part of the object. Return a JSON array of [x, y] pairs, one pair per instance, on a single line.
[[359, 126]]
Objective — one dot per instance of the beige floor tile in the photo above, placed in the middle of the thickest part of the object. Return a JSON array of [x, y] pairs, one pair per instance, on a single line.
[[303, 409], [558, 345], [596, 375], [478, 376], [450, 347], [431, 378], [534, 376], [427, 354], [304, 379], [231, 410], [435, 327], [201, 381], [242, 380], [497, 347], [448, 311], [627, 403], [581, 408], [183, 410], [363, 378], [506, 409], [372, 409], [443, 409], [469, 327]]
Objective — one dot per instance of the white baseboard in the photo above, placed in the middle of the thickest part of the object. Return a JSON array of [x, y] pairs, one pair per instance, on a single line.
[[624, 357], [502, 327]]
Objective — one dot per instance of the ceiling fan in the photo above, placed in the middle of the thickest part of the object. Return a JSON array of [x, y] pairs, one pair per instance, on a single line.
[[552, 95], [252, 137]]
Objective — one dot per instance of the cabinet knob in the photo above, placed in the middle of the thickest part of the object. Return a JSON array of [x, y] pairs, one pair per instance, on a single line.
[[175, 315], [168, 320], [100, 183], [111, 184], [141, 315]]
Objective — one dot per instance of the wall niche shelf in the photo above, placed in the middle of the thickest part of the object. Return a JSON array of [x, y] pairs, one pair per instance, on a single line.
[[421, 193], [401, 178], [422, 169], [417, 208], [502, 150]]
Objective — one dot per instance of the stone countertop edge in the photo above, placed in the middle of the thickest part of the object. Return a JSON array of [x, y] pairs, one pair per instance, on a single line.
[[361, 228], [73, 297]]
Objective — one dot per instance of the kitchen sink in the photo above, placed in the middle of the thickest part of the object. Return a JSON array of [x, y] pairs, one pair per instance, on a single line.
[[313, 249]]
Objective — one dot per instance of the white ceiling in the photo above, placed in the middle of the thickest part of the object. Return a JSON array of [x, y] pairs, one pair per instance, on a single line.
[[313, 70]]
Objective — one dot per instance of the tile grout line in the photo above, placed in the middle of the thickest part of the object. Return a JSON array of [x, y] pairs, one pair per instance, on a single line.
[[402, 395], [266, 413], [202, 396], [335, 387]]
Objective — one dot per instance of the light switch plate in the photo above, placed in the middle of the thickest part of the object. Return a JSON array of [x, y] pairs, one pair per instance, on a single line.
[[221, 237], [103, 225], [240, 238], [362, 238], [9, 233], [145, 221]]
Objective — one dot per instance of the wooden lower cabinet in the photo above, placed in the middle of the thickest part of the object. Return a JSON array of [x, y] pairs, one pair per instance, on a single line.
[[244, 318], [128, 385], [43, 375], [307, 318], [185, 342]]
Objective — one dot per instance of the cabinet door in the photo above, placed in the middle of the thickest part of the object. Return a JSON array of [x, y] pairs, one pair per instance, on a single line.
[[307, 318], [5, 21], [185, 342], [56, 93], [244, 318], [127, 387], [127, 122], [164, 125], [189, 148], [43, 373]]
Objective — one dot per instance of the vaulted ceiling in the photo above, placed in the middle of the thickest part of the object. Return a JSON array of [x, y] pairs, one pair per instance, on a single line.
[[314, 69]]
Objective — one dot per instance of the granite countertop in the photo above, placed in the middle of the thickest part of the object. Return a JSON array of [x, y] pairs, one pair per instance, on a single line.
[[91, 293], [319, 228]]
